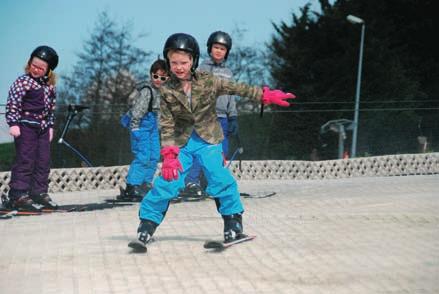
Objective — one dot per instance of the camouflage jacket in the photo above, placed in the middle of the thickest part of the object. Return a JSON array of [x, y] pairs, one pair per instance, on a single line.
[[179, 118], [141, 101]]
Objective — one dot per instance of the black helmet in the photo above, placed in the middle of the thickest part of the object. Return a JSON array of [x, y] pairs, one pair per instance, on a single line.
[[47, 54], [184, 42], [221, 38]]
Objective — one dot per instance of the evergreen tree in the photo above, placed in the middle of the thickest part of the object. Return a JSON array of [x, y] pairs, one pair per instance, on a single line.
[[316, 57]]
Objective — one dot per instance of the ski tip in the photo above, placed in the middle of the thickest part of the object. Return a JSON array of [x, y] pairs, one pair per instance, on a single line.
[[9, 214], [213, 244]]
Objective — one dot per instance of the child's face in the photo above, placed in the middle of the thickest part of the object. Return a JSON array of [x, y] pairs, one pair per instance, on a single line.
[[158, 78], [181, 63], [218, 52], [38, 67]]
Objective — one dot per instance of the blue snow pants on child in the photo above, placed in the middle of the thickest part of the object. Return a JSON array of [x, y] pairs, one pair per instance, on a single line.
[[195, 171], [221, 183], [145, 146]]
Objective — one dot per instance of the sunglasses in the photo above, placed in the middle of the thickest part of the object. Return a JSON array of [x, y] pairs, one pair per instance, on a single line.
[[162, 78], [39, 68]]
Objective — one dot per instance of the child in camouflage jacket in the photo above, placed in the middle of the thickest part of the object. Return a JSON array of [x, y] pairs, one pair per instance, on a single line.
[[189, 130]]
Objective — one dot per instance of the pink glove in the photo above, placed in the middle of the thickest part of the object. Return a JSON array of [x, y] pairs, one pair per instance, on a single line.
[[171, 165], [14, 131], [50, 134], [276, 97]]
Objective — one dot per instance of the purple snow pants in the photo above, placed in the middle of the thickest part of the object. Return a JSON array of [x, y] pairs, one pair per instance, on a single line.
[[31, 168]]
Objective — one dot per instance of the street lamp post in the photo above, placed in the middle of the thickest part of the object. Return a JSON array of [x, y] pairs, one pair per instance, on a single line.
[[357, 20]]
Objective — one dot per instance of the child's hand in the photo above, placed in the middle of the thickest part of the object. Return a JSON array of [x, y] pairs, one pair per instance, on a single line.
[[14, 131], [171, 165], [276, 97]]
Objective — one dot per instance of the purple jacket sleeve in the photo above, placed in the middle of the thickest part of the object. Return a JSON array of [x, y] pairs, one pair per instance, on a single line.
[[13, 104]]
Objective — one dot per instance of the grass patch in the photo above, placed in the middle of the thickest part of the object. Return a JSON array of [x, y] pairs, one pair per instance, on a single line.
[[7, 154]]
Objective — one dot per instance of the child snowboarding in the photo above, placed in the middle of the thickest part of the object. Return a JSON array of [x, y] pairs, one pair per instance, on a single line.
[[189, 131]]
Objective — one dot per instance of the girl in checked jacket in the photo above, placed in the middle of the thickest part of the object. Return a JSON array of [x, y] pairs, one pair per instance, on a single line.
[[30, 116]]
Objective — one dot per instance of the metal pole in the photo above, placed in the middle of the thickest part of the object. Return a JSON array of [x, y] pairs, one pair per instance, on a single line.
[[357, 96], [341, 138]]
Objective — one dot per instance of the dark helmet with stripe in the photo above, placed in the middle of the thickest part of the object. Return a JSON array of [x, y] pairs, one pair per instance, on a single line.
[[184, 42], [47, 54], [221, 38]]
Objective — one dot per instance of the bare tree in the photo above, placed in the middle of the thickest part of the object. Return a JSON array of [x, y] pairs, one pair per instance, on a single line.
[[103, 78], [107, 68]]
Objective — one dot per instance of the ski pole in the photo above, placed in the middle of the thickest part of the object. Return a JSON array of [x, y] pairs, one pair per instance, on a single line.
[[239, 150]]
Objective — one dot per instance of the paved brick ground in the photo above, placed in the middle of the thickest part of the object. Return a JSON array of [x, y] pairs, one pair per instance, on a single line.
[[363, 235]]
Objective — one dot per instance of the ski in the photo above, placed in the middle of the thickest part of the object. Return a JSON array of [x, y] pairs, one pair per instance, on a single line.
[[6, 213], [90, 206], [123, 200], [63, 208], [221, 245], [259, 195], [9, 214]]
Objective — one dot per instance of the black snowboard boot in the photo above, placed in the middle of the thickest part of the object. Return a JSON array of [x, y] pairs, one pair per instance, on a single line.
[[233, 229], [144, 234], [5, 203], [135, 192], [20, 200], [45, 200], [193, 190]]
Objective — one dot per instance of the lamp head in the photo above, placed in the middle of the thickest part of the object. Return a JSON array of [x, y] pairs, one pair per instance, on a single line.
[[355, 20]]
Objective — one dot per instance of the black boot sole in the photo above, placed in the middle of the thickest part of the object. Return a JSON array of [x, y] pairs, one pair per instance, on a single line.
[[138, 246]]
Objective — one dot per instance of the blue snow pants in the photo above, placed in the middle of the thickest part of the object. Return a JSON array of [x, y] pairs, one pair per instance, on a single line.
[[195, 172], [221, 183], [145, 146]]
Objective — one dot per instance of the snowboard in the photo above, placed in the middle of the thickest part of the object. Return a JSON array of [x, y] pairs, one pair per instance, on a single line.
[[6, 213], [219, 245]]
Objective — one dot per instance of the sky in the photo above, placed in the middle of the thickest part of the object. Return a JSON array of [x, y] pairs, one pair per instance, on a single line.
[[66, 25]]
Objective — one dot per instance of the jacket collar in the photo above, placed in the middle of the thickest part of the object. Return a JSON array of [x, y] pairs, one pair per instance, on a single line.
[[210, 62], [41, 81], [175, 84]]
